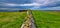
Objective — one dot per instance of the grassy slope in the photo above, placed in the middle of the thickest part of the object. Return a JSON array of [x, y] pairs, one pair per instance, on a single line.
[[46, 19], [11, 19]]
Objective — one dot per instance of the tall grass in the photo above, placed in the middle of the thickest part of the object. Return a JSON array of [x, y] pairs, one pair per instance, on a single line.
[[44, 19], [11, 19]]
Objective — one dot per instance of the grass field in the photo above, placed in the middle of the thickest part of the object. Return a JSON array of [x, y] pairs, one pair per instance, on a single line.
[[46, 19], [11, 19]]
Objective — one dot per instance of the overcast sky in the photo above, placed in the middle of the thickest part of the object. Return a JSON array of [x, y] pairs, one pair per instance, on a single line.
[[32, 4]]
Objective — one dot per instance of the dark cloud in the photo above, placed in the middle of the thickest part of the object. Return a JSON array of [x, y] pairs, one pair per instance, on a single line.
[[48, 4], [16, 1]]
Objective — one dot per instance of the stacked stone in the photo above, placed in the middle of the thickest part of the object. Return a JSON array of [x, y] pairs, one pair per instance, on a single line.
[[29, 22]]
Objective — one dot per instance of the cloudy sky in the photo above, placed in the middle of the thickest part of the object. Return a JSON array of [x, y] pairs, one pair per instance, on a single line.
[[31, 4]]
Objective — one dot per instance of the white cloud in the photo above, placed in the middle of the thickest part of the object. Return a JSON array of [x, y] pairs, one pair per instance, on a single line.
[[31, 4], [44, 3], [35, 3]]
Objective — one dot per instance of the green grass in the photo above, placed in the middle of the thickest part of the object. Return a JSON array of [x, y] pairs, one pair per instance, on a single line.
[[11, 19], [44, 19]]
